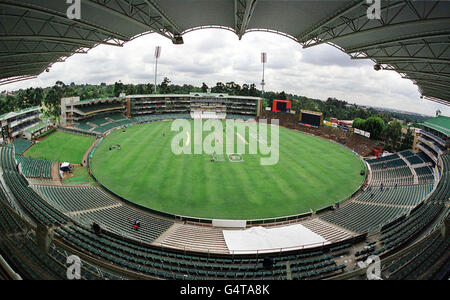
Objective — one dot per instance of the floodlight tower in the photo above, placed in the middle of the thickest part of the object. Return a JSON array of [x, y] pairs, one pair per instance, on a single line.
[[157, 56], [263, 61]]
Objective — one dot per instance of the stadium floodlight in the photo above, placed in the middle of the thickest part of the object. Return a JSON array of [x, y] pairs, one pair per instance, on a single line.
[[157, 56], [263, 61]]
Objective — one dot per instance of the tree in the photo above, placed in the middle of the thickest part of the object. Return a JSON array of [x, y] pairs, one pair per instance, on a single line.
[[393, 134], [118, 88], [408, 140], [164, 86], [204, 88]]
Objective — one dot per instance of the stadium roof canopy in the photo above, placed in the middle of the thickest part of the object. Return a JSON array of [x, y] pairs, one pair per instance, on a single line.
[[440, 123], [411, 37]]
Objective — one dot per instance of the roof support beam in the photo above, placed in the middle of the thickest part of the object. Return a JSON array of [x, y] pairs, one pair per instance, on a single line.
[[33, 71], [167, 20], [397, 59], [350, 7], [436, 89], [438, 75], [424, 83], [24, 65], [16, 79], [435, 99], [243, 12], [60, 53], [62, 16], [62, 40], [380, 29], [395, 42], [145, 20]]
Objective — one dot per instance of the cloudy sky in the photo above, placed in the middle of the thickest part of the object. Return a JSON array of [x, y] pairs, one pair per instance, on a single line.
[[215, 55]]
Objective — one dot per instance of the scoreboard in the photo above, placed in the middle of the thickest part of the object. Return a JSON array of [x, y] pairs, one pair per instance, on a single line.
[[311, 118]]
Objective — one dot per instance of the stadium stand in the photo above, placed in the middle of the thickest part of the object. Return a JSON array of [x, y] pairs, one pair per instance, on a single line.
[[413, 265], [119, 220], [73, 199], [392, 176], [21, 145], [35, 167], [7, 156], [410, 195], [425, 175], [365, 216]]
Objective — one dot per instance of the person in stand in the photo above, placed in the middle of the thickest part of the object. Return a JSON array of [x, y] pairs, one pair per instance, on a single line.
[[97, 229]]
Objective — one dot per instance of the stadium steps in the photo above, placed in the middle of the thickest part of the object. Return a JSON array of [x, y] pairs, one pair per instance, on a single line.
[[328, 231], [194, 238]]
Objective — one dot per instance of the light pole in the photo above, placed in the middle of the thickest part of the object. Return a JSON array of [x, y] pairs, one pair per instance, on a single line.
[[157, 55], [263, 61]]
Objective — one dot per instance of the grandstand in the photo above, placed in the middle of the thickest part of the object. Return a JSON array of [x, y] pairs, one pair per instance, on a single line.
[[101, 115], [378, 220]]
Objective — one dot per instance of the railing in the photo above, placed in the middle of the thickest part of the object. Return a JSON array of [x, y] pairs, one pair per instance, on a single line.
[[435, 137]]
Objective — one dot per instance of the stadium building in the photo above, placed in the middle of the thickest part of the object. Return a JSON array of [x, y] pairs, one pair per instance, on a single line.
[[84, 114], [17, 124], [434, 139], [395, 208]]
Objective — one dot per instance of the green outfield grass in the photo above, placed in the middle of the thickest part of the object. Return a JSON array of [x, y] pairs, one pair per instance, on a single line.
[[62, 147], [311, 173]]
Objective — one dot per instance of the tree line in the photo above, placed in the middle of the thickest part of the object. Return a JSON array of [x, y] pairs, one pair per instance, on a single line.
[[380, 123]]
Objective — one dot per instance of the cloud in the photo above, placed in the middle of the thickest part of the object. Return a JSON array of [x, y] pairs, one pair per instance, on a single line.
[[213, 55]]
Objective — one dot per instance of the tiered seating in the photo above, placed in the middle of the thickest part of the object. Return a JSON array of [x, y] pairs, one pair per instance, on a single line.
[[392, 177], [21, 145], [184, 265], [415, 160], [99, 107], [399, 233], [116, 117], [84, 126], [407, 153], [383, 159], [394, 163], [31, 201], [425, 157], [417, 262], [362, 217], [75, 198], [23, 251], [104, 128], [7, 161], [119, 220], [35, 167], [98, 120], [410, 195], [159, 117], [425, 175], [442, 191], [102, 123]]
